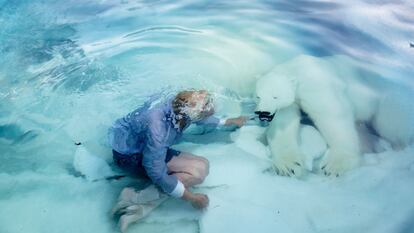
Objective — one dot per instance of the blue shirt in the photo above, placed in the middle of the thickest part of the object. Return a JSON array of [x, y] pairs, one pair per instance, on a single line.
[[151, 131]]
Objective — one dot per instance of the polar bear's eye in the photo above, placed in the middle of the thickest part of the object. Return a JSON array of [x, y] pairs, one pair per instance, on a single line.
[[274, 97], [257, 97]]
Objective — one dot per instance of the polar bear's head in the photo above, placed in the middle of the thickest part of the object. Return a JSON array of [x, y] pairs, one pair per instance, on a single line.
[[273, 93]]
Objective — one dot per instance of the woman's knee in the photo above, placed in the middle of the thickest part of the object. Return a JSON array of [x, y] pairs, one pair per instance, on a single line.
[[205, 167], [197, 166], [202, 169]]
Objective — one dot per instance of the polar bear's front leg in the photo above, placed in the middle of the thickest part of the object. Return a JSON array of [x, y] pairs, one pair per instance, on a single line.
[[335, 120], [282, 136]]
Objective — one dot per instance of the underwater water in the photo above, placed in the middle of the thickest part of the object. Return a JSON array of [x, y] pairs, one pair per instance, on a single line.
[[68, 69]]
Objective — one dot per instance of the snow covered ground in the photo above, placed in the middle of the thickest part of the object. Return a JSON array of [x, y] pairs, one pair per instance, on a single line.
[[244, 197]]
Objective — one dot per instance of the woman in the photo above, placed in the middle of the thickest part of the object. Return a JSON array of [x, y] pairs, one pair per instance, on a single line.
[[141, 144]]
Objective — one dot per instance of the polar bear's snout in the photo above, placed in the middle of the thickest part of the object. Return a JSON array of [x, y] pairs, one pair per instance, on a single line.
[[264, 116]]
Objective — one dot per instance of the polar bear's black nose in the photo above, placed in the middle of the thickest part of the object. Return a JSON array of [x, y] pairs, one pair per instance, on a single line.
[[262, 113]]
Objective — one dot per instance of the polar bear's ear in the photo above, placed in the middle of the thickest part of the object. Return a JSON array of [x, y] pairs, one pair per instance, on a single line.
[[291, 80]]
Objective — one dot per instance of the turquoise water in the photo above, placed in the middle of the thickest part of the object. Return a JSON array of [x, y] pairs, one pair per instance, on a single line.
[[69, 68]]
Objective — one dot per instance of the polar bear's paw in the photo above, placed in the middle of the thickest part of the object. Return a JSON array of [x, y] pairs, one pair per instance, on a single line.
[[337, 163], [290, 164]]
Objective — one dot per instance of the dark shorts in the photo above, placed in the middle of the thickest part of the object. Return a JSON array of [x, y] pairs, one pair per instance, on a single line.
[[132, 164]]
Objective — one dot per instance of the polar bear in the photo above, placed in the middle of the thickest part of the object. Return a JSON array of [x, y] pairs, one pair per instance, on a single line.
[[336, 94]]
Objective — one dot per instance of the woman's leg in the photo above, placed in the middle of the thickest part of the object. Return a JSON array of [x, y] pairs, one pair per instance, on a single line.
[[190, 169]]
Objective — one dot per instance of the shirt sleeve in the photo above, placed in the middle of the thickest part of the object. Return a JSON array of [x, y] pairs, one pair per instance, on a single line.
[[211, 121], [154, 159]]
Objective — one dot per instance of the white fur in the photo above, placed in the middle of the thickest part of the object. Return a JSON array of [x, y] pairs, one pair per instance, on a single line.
[[334, 95]]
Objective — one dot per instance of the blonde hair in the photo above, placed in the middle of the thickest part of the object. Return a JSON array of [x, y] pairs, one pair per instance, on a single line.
[[185, 99], [194, 104], [182, 100]]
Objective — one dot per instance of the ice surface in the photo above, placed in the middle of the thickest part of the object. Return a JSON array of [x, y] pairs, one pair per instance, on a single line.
[[243, 198], [246, 199]]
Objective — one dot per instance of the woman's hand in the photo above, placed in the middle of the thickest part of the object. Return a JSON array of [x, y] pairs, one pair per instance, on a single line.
[[197, 200], [238, 121], [200, 201]]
